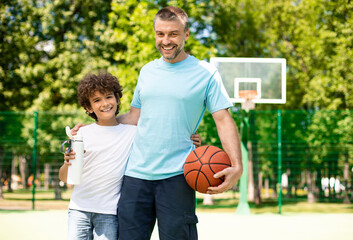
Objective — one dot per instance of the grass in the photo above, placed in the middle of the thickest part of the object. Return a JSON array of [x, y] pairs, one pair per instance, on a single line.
[[227, 202], [21, 199]]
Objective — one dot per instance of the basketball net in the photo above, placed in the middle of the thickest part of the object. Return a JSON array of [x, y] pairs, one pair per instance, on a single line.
[[248, 95]]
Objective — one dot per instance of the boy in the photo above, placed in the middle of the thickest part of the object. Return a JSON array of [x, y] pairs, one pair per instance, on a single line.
[[93, 204]]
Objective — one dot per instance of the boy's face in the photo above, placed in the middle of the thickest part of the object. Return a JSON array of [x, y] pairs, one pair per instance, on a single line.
[[104, 105]]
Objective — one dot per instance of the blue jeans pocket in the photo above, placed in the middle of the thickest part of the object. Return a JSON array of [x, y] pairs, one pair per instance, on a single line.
[[191, 220]]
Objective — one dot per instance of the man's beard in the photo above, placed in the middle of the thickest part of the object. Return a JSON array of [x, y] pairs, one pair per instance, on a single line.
[[177, 52]]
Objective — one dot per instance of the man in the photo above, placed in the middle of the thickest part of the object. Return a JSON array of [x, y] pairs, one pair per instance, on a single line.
[[170, 98]]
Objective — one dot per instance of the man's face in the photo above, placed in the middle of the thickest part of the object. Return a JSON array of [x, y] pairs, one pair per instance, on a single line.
[[170, 39]]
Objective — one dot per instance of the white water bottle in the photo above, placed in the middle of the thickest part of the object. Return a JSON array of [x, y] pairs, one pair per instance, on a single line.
[[75, 169]]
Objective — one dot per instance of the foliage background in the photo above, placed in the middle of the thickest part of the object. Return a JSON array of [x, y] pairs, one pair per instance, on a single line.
[[48, 46]]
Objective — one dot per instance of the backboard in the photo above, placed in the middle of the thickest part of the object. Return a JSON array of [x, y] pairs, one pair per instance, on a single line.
[[266, 77]]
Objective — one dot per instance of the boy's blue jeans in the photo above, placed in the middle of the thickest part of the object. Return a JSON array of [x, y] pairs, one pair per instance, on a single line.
[[89, 225]]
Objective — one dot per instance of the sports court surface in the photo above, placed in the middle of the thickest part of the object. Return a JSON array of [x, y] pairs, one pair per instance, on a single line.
[[44, 225]]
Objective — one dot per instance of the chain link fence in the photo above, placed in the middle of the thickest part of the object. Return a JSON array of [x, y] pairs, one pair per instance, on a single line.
[[311, 161], [30, 155]]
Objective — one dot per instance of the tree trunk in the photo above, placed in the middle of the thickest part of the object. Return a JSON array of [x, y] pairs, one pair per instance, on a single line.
[[318, 175], [267, 188], [289, 190], [309, 183], [1, 170], [14, 173], [9, 180], [23, 171], [251, 187], [38, 182], [274, 192], [57, 189], [346, 177], [47, 169], [302, 179], [258, 189], [1, 195]]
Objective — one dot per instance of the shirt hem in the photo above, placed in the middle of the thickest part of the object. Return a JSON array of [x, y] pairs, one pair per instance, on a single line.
[[95, 210], [154, 177], [135, 105], [220, 108]]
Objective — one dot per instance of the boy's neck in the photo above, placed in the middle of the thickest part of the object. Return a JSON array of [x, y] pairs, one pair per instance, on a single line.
[[108, 122]]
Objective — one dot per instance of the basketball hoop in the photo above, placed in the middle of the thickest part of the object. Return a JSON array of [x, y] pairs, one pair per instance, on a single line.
[[248, 95]]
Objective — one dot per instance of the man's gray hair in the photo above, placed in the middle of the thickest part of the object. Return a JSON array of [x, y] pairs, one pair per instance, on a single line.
[[171, 13]]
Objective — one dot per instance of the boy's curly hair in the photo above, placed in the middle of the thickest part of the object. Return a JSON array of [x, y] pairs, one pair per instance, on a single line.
[[104, 83]]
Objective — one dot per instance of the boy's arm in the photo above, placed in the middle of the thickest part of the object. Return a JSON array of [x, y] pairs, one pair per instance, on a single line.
[[229, 136], [63, 172], [64, 168], [196, 139], [130, 117]]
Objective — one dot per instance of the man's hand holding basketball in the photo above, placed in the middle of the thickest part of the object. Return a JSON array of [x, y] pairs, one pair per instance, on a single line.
[[229, 136], [231, 176]]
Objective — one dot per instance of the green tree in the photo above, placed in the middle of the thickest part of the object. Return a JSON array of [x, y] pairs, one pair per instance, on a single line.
[[132, 23], [78, 44], [314, 36], [48, 47], [18, 50], [332, 81]]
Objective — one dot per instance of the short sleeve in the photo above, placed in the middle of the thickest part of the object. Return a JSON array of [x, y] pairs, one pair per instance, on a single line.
[[136, 100], [216, 96]]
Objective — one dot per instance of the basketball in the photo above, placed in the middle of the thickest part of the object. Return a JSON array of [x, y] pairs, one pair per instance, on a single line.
[[202, 164]]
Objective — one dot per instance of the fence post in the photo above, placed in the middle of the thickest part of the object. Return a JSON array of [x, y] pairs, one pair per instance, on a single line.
[[34, 157], [279, 154]]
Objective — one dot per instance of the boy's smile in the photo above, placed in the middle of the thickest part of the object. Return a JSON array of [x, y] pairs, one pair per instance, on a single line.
[[105, 107]]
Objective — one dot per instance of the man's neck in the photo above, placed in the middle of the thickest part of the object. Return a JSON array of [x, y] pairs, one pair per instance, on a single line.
[[181, 57]]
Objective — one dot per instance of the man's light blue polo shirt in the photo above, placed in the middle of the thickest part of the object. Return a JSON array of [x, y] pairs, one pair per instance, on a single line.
[[172, 99]]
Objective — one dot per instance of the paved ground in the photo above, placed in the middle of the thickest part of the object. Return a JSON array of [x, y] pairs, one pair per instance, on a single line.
[[44, 225]]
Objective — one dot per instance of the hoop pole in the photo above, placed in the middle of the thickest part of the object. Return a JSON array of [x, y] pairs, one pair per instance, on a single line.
[[243, 207]]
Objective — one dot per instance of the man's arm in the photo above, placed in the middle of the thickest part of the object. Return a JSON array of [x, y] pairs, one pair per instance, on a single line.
[[229, 136], [131, 117]]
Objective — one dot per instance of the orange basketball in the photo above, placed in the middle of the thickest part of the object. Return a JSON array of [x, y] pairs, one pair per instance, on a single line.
[[202, 164]]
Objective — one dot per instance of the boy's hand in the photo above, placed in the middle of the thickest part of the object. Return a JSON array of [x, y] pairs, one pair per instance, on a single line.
[[76, 128], [196, 139], [69, 156]]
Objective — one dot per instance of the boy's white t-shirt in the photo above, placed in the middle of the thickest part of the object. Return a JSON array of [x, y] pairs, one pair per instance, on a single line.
[[107, 150]]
